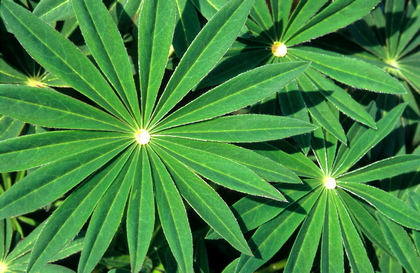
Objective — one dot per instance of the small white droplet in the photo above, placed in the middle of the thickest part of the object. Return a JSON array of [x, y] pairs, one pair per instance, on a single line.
[[142, 136], [279, 49], [330, 183]]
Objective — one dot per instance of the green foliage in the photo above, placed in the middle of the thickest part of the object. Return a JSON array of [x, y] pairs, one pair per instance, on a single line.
[[136, 120]]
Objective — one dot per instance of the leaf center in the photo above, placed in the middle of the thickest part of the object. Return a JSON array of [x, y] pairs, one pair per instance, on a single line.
[[3, 267], [142, 136], [279, 49], [330, 183]]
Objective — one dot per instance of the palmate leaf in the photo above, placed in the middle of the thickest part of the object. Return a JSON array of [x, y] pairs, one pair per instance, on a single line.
[[61, 57], [112, 163]]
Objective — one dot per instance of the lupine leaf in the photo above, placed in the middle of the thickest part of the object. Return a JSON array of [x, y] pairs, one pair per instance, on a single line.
[[368, 139], [30, 151], [107, 217], [340, 99], [187, 26], [278, 231], [335, 16], [292, 105], [204, 53], [387, 204], [106, 45], [218, 168], [156, 28], [238, 92], [209, 7], [207, 203], [289, 156], [365, 221], [70, 217], [299, 261], [319, 109], [53, 10], [356, 252], [10, 127], [301, 14], [242, 128], [61, 57], [48, 183], [140, 212], [386, 168], [332, 254], [280, 11], [352, 72], [172, 215], [400, 243], [54, 109]]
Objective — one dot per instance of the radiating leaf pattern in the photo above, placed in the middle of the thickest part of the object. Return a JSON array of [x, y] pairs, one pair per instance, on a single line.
[[101, 155]]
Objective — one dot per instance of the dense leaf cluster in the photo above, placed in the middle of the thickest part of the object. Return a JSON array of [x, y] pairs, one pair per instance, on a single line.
[[291, 128]]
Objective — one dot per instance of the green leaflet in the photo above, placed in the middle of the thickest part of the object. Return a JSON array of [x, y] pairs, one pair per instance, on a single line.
[[301, 14], [218, 168], [236, 93], [365, 221], [156, 28], [292, 105], [277, 230], [280, 11], [70, 217], [386, 168], [106, 45], [301, 261], [53, 10], [319, 109], [340, 99], [107, 216], [54, 109], [335, 16], [187, 25], [332, 253], [400, 243], [207, 203], [289, 156], [352, 72], [140, 212], [203, 54], [172, 215], [51, 181], [367, 140], [352, 242], [242, 128], [209, 7], [61, 57], [30, 151], [385, 203], [10, 127]]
